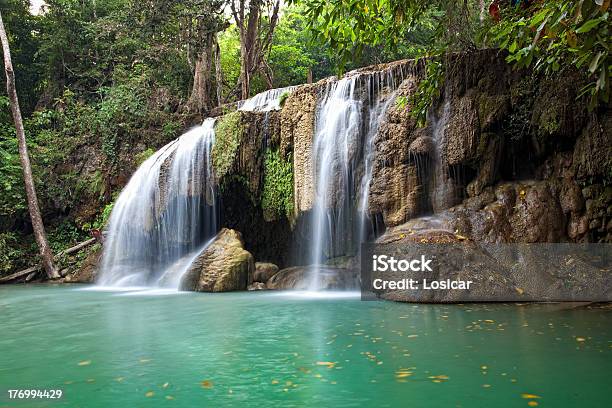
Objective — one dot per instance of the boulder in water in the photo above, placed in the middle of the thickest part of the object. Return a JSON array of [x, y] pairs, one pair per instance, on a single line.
[[264, 271], [301, 277], [222, 266], [89, 268]]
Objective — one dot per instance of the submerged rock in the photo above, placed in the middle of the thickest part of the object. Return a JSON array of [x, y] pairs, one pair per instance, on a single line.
[[256, 286], [301, 277], [264, 271], [222, 266]]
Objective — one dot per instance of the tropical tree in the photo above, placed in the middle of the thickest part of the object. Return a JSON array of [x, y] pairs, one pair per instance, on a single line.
[[256, 21], [37, 222]]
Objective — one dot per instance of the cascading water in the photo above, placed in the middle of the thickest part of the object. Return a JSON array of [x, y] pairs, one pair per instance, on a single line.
[[348, 118], [265, 101], [165, 214]]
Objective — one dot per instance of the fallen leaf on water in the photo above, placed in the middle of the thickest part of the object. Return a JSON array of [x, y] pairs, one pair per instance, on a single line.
[[580, 339], [483, 367], [207, 384], [144, 360], [165, 385], [85, 363], [91, 380], [412, 336], [169, 397], [403, 374], [274, 381], [149, 394], [533, 403], [119, 379], [530, 396], [329, 364], [486, 385]]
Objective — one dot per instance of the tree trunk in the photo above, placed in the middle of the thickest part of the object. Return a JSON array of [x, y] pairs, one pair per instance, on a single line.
[[200, 99], [37, 222], [218, 72]]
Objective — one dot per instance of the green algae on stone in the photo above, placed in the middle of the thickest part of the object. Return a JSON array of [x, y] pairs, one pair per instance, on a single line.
[[228, 134], [277, 197]]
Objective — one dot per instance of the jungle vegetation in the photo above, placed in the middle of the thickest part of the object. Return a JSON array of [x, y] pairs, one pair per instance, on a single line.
[[109, 72]]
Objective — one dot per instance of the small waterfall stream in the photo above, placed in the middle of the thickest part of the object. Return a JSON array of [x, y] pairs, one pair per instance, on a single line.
[[348, 119], [165, 214], [264, 101]]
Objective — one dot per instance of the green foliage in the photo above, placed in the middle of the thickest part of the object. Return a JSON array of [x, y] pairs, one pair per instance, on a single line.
[[65, 235], [143, 156], [101, 220], [12, 194], [277, 196], [10, 252], [228, 133], [283, 98], [385, 29], [428, 92], [555, 35]]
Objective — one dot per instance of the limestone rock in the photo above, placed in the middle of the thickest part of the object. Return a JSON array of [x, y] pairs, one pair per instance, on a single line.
[[222, 266], [297, 132], [264, 271], [256, 286], [300, 278], [89, 268]]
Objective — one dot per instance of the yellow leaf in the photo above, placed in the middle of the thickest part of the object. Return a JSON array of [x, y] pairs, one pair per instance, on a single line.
[[85, 363], [530, 396], [149, 394], [329, 364], [519, 291], [207, 384], [580, 339], [486, 385], [169, 397], [533, 403], [274, 381]]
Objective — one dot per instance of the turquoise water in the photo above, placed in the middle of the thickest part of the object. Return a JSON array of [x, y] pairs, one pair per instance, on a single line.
[[110, 349]]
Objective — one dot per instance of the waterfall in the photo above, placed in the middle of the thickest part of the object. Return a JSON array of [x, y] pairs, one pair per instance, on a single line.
[[265, 101], [348, 118], [165, 214]]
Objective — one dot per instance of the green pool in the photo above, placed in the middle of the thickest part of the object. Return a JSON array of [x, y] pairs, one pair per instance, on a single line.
[[162, 349]]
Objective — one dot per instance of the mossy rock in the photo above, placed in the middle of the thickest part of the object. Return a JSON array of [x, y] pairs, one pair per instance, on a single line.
[[228, 135]]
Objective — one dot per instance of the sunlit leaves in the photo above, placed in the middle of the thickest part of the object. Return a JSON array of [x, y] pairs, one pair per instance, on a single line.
[[559, 34]]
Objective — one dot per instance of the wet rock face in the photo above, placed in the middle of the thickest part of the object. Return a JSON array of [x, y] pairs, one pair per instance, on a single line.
[[395, 190], [222, 266], [503, 272], [300, 278], [264, 271], [296, 135], [88, 270]]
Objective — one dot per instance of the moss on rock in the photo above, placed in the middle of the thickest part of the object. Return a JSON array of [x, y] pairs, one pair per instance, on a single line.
[[228, 134], [277, 196]]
